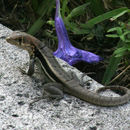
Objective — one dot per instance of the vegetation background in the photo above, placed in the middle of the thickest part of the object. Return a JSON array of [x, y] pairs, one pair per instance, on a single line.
[[99, 26]]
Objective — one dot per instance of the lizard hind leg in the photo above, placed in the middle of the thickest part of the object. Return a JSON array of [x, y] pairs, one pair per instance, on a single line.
[[53, 90]]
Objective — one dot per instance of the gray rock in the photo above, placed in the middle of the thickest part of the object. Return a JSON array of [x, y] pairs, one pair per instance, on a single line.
[[70, 113]]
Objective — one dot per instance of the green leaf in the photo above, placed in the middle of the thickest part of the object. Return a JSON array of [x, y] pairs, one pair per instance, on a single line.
[[113, 29], [64, 6], [119, 55], [126, 32], [112, 66], [120, 50], [122, 37], [127, 41], [111, 69], [77, 11], [75, 29], [120, 14], [42, 11], [112, 35], [43, 7], [102, 17], [119, 31], [51, 22], [36, 26]]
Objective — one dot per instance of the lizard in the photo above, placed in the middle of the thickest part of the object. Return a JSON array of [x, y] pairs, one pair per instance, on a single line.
[[67, 83]]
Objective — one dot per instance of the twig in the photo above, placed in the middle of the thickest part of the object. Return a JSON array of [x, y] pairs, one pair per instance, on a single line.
[[119, 75]]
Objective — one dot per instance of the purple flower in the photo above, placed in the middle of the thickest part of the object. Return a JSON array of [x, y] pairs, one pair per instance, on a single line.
[[65, 50]]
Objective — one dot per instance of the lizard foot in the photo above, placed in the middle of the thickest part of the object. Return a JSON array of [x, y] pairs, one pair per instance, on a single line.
[[29, 73], [35, 100], [22, 71]]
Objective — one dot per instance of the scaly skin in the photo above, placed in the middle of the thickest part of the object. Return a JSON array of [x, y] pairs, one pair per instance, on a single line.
[[54, 71]]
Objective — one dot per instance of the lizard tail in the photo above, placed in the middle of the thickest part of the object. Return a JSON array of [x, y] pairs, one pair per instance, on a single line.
[[96, 98]]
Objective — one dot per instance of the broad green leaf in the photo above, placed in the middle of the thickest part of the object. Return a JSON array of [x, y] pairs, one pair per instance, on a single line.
[[102, 17]]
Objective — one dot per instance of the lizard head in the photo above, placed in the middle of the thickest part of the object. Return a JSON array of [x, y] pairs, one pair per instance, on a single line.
[[17, 38], [21, 40]]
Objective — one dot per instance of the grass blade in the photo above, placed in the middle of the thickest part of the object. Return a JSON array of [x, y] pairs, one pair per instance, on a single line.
[[112, 67]]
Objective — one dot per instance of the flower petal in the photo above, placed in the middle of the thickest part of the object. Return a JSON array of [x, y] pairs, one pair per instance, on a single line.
[[65, 50]]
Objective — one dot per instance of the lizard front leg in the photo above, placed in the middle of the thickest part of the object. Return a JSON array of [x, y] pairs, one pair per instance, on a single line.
[[51, 89], [30, 71]]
